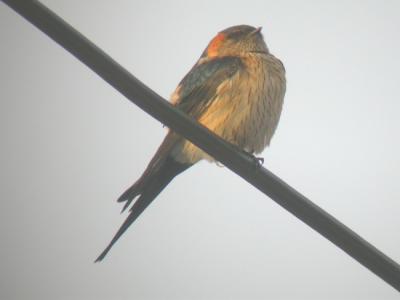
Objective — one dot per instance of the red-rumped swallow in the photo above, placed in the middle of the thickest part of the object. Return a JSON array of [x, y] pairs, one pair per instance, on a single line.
[[236, 89]]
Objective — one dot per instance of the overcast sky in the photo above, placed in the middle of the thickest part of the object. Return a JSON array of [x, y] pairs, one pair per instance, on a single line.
[[71, 144]]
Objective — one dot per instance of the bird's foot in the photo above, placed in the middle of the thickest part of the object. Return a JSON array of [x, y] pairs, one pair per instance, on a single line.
[[258, 161], [219, 164]]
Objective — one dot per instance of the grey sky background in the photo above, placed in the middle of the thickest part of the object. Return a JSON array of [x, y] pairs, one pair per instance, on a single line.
[[70, 145]]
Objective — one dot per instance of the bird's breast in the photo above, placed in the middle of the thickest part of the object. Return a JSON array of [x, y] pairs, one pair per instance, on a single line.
[[246, 108]]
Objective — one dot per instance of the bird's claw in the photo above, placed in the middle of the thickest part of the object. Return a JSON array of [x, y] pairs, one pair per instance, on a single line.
[[259, 160], [219, 164]]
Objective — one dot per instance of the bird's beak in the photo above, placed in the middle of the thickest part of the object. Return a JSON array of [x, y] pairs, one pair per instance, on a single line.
[[257, 30]]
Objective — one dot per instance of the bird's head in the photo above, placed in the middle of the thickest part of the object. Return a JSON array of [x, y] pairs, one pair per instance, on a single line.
[[236, 41]]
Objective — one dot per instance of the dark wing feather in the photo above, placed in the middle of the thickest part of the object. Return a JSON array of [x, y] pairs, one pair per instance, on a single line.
[[199, 87], [153, 167], [148, 191]]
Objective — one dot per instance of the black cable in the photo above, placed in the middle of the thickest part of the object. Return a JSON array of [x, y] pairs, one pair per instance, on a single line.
[[162, 110]]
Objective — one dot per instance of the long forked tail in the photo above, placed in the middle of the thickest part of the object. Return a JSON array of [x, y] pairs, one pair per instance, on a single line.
[[148, 187]]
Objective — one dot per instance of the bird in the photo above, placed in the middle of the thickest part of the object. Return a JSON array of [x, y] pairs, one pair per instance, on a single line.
[[236, 89]]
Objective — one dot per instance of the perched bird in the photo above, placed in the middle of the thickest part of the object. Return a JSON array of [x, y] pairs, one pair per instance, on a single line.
[[236, 89]]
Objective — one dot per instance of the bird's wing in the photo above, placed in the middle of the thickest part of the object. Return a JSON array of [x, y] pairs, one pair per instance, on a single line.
[[199, 87], [196, 90]]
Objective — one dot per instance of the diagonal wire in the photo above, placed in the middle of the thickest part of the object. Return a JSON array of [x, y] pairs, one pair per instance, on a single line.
[[88, 53]]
